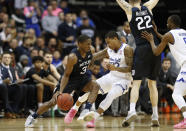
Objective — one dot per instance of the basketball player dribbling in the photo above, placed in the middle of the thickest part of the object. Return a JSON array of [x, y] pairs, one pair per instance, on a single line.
[[145, 63]]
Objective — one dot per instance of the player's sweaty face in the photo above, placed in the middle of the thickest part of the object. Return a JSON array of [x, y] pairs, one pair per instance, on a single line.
[[48, 58], [86, 45], [169, 23]]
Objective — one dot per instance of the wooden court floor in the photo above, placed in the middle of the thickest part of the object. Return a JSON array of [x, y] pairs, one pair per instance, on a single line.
[[107, 123]]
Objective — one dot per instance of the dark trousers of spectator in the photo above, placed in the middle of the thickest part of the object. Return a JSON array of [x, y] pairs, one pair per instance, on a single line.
[[15, 94], [144, 100], [4, 98], [164, 92], [120, 105]]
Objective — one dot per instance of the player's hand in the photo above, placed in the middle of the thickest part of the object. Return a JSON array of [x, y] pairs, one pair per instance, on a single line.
[[147, 36], [154, 26], [111, 67]]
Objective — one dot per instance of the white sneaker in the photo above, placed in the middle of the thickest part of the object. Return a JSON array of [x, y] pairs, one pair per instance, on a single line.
[[82, 115], [155, 122], [130, 117], [29, 121], [89, 116]]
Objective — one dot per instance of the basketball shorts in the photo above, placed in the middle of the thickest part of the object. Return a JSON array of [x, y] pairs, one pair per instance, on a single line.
[[145, 63], [74, 85], [180, 84], [109, 81]]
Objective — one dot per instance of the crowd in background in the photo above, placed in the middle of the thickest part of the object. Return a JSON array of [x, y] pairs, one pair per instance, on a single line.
[[35, 38]]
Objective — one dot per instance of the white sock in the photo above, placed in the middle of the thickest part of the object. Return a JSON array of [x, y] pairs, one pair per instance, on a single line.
[[75, 107], [132, 107], [184, 114], [40, 104], [155, 110], [96, 115]]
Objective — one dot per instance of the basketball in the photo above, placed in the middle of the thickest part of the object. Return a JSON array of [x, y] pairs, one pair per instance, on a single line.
[[65, 101]]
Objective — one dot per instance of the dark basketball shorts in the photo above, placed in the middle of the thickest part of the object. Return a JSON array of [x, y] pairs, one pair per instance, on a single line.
[[145, 63], [76, 85]]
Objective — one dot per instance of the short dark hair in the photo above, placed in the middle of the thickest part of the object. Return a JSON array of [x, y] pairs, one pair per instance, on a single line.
[[47, 52], [112, 34], [37, 58], [176, 20], [166, 59], [125, 22], [82, 38], [6, 52]]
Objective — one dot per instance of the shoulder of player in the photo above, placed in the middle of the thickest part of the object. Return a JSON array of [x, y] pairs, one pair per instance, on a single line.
[[72, 58]]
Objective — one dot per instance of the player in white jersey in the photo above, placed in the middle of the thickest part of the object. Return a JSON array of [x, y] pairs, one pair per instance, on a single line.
[[176, 39], [115, 83]]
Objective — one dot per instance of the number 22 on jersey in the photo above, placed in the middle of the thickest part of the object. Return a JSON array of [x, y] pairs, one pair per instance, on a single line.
[[141, 20]]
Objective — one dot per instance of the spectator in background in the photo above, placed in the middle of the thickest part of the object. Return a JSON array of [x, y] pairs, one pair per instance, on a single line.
[[22, 66], [126, 36], [175, 67], [23, 49], [55, 9], [57, 58], [4, 97], [40, 43], [99, 45], [34, 52], [9, 76], [19, 18], [67, 34], [86, 29], [20, 36], [165, 82], [52, 45], [50, 24], [61, 18], [32, 12], [5, 36], [83, 13], [64, 6], [32, 36], [48, 66], [36, 78]]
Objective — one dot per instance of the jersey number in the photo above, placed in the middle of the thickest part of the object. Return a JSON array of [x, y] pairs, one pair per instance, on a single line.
[[84, 70], [141, 20]]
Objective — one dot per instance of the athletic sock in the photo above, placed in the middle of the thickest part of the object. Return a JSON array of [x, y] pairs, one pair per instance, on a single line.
[[132, 107], [155, 110]]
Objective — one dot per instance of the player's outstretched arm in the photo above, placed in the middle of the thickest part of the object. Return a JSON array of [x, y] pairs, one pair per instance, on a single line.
[[157, 50], [151, 4], [100, 55], [72, 60], [124, 5]]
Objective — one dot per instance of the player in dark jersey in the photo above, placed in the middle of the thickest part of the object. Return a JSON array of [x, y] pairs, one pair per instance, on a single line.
[[145, 63], [74, 78]]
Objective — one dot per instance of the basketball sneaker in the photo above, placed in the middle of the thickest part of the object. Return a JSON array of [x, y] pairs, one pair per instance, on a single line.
[[70, 115], [91, 124], [91, 116], [82, 115], [181, 125], [29, 121], [155, 122], [131, 117]]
